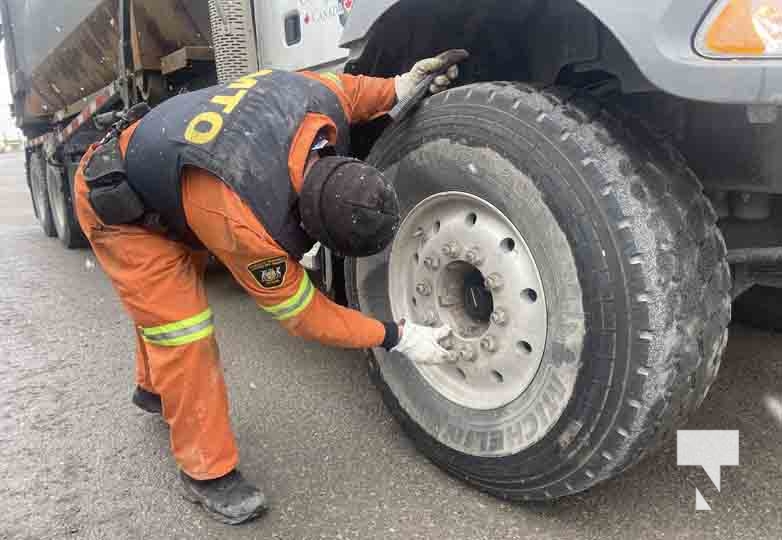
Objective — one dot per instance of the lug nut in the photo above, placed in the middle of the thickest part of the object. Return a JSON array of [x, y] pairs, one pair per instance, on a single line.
[[430, 318], [424, 289], [494, 282], [488, 344], [469, 331], [473, 256], [466, 354], [452, 249], [432, 263], [499, 317], [448, 342]]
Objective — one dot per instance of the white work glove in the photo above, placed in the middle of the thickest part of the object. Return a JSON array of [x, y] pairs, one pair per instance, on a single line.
[[421, 344], [405, 84]]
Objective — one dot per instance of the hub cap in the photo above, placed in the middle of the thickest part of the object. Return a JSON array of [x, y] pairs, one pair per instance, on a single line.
[[457, 260]]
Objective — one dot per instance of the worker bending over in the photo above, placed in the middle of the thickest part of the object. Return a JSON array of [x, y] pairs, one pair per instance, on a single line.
[[252, 172]]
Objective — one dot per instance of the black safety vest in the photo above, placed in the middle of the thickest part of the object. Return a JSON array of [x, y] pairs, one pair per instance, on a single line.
[[242, 133]]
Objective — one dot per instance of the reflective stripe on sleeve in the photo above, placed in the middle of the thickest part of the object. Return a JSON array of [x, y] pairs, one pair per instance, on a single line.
[[295, 304], [181, 332]]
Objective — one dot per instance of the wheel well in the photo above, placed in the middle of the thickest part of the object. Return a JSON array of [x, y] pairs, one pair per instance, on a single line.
[[539, 41], [560, 42]]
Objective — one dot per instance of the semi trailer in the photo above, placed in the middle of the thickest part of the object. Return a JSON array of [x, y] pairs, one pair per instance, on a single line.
[[582, 209], [71, 62]]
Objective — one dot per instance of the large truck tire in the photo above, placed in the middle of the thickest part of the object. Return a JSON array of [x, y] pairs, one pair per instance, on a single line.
[[760, 307], [63, 213], [578, 262], [40, 193]]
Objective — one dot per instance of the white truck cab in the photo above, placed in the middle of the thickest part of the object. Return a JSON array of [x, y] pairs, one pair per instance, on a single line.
[[300, 34]]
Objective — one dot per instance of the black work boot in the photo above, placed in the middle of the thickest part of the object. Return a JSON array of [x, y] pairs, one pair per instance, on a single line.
[[229, 499], [147, 401]]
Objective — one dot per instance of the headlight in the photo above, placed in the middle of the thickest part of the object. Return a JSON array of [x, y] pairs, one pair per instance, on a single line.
[[742, 29]]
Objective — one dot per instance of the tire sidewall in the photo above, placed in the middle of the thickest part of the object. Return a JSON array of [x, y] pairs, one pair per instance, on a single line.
[[65, 223], [40, 194], [57, 197]]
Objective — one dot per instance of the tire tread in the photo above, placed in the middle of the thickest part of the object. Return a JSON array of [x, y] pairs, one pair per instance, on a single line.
[[680, 305], [43, 211]]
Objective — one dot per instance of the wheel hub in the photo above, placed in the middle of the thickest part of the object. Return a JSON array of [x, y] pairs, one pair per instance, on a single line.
[[478, 301], [463, 301], [457, 260]]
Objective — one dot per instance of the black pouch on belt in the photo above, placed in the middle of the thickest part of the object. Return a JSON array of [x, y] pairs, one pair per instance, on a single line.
[[111, 196]]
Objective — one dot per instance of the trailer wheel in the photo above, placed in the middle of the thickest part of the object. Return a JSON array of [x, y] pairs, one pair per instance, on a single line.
[[40, 194], [61, 203], [579, 264]]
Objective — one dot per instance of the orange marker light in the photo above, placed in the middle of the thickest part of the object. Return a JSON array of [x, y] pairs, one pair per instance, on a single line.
[[741, 28]]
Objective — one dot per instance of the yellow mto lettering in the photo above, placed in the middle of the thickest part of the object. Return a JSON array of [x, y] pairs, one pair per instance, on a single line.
[[243, 83], [230, 102], [248, 81], [214, 120], [197, 136]]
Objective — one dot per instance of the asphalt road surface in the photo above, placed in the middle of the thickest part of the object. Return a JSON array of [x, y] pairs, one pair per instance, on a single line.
[[77, 460]]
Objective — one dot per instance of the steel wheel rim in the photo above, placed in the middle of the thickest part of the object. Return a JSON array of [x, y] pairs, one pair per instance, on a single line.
[[432, 280]]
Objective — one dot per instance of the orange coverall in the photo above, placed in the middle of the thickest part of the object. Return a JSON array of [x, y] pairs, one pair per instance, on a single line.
[[160, 282]]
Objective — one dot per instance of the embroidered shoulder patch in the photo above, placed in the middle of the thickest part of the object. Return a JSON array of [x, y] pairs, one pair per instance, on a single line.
[[269, 273]]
